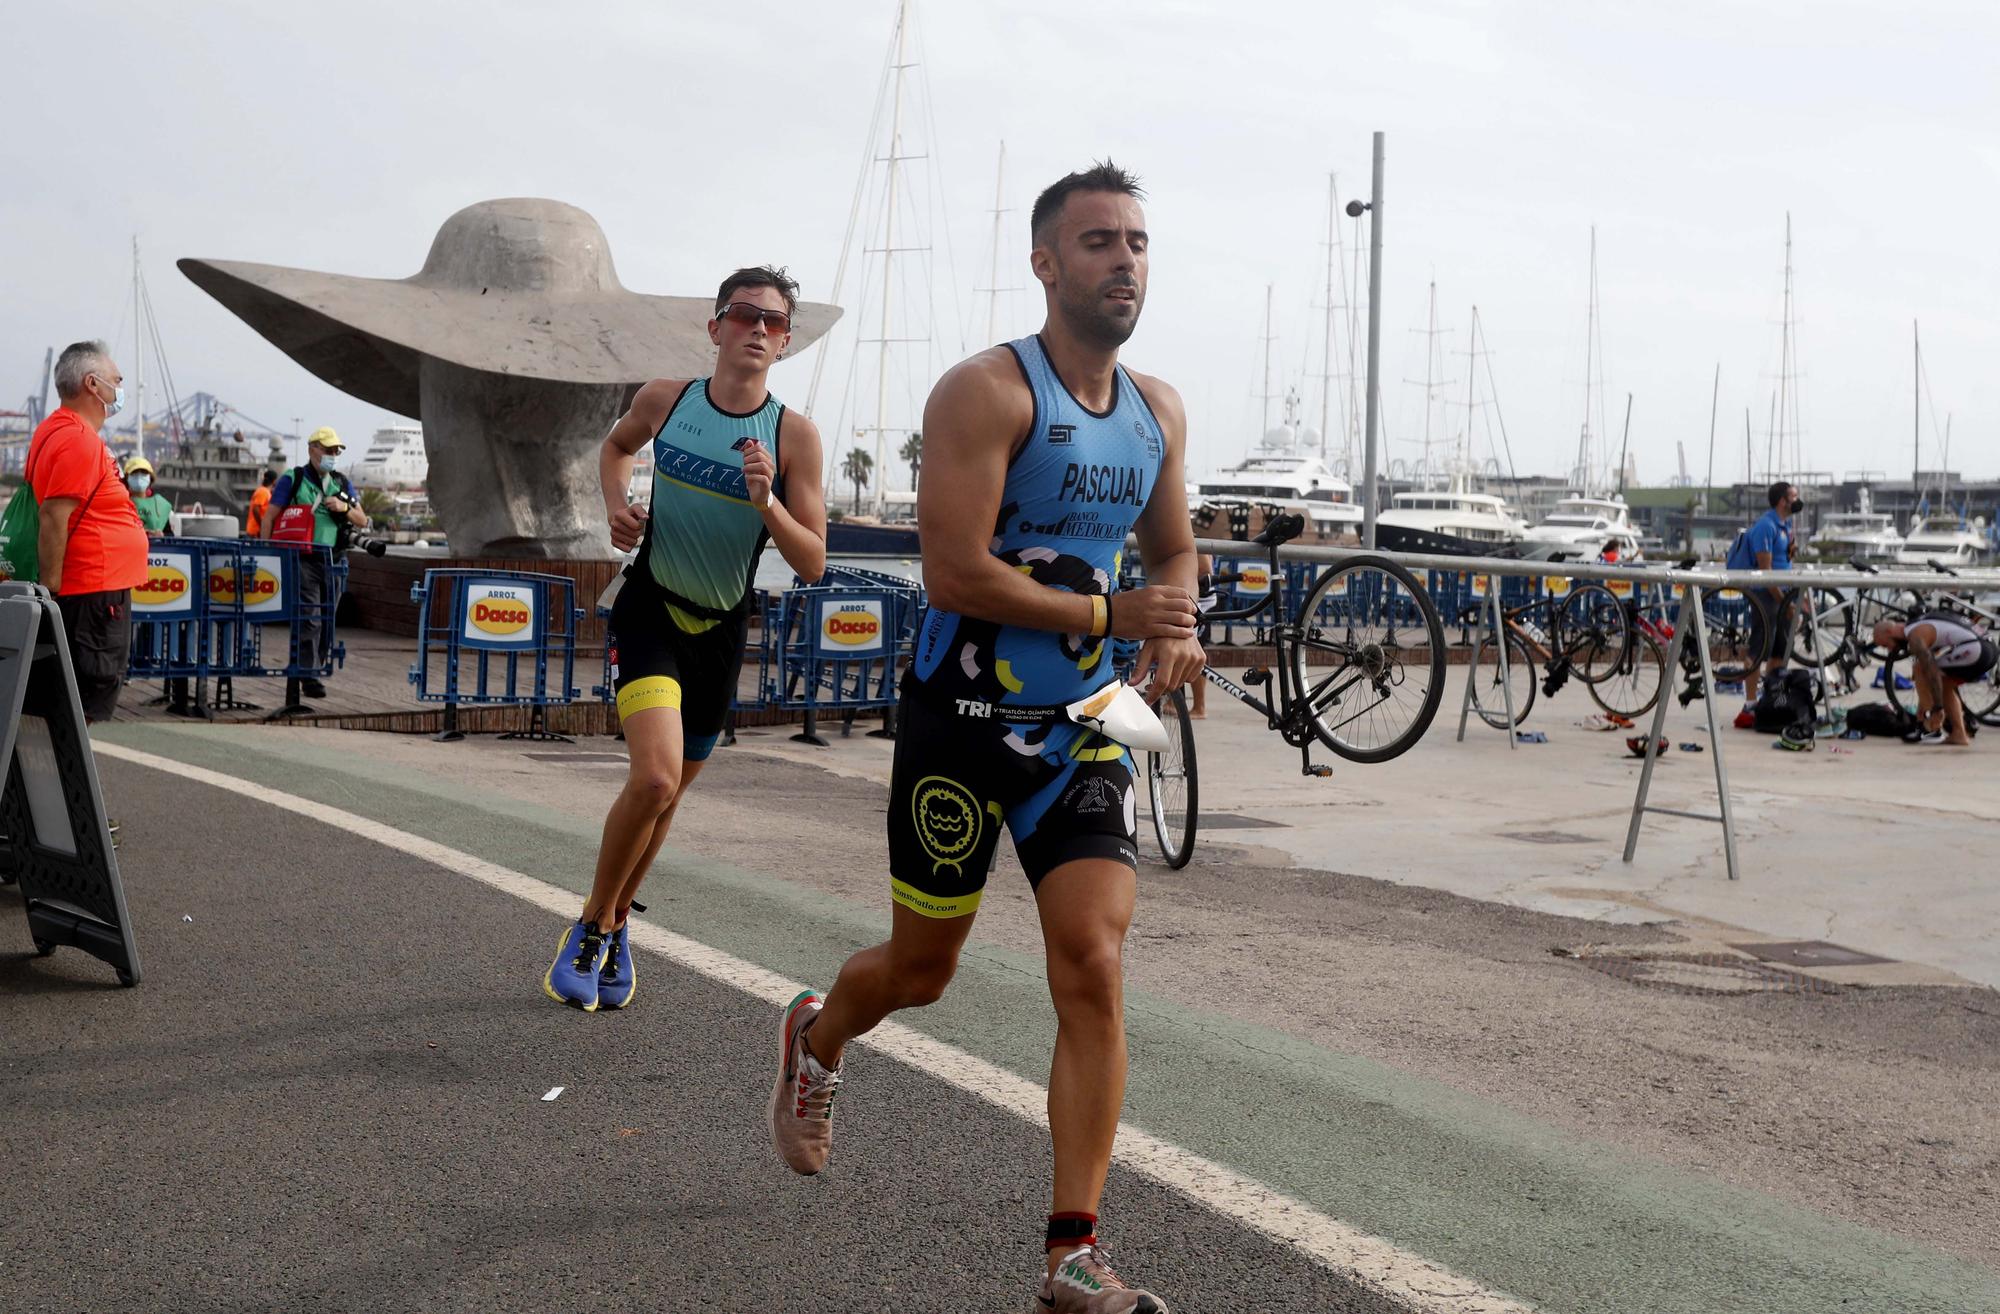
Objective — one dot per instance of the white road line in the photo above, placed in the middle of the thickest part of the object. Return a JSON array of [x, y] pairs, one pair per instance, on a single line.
[[1367, 1261]]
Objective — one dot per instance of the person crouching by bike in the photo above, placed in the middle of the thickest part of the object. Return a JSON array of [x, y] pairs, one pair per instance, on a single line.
[[335, 513], [1767, 545], [1945, 654]]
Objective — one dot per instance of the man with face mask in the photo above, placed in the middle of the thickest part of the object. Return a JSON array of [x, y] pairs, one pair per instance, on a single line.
[[154, 511], [92, 545], [334, 505], [1767, 545]]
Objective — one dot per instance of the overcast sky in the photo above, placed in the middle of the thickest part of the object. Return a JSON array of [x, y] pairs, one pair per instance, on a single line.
[[706, 136]]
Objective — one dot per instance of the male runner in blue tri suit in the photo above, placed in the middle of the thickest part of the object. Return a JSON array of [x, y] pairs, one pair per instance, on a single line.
[[1039, 457], [732, 470]]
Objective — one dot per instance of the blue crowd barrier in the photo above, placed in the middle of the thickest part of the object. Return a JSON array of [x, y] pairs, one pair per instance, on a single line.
[[496, 638], [208, 607]]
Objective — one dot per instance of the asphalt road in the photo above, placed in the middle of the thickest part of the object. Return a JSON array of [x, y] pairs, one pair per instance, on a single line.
[[327, 1094]]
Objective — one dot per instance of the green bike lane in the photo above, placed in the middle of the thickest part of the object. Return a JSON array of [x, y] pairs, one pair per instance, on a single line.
[[1510, 1202]]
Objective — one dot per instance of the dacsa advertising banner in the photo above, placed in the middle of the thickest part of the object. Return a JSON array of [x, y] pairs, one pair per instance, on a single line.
[[499, 615], [169, 587], [852, 627]]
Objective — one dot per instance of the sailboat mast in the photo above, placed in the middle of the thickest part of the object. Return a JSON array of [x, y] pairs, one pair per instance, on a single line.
[[1267, 359], [1916, 411], [1589, 372], [138, 356], [1471, 380], [889, 250], [1625, 444], [993, 269], [1714, 400], [1326, 345], [1430, 374], [1785, 357]]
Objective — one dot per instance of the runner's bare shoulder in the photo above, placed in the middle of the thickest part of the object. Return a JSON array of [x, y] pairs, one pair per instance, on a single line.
[[983, 396], [1165, 401]]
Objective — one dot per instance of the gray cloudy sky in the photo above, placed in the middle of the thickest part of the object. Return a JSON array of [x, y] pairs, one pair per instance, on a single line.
[[705, 136]]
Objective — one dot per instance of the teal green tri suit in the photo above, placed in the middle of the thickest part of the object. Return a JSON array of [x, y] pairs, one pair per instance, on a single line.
[[677, 627]]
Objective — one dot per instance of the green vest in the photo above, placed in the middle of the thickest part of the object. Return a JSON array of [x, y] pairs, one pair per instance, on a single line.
[[326, 530], [153, 512]]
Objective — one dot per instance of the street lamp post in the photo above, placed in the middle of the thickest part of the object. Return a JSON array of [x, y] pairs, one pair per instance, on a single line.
[[1369, 496]]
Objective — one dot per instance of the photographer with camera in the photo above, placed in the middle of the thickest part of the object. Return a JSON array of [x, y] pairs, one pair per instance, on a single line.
[[316, 504]]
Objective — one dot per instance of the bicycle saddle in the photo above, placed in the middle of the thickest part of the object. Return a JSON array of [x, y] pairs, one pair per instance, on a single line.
[[1281, 529]]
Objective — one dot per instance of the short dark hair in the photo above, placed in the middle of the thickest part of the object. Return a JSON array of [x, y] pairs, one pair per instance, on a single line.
[[270, 477], [1103, 176], [1776, 492], [759, 276]]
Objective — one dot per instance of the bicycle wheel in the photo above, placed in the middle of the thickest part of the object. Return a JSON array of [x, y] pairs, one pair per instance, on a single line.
[[1596, 632], [1369, 660], [1725, 614], [1171, 784], [1815, 646], [1635, 686], [1489, 693]]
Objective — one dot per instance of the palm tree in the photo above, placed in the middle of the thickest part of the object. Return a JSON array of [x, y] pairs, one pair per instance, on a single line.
[[913, 452], [858, 466]]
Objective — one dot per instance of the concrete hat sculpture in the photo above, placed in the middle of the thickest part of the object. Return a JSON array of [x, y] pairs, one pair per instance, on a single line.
[[515, 345]]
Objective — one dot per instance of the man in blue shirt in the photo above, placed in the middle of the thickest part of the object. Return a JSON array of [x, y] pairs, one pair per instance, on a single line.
[[1767, 545]]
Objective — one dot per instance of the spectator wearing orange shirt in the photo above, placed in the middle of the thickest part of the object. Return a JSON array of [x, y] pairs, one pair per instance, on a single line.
[[260, 501], [93, 547]]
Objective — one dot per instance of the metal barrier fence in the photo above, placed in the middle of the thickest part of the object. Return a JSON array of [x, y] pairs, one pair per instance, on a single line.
[[216, 609], [496, 638], [1692, 602]]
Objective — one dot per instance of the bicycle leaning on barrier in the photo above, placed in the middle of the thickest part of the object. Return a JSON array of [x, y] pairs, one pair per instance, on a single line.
[[1359, 668], [1588, 632], [1844, 635]]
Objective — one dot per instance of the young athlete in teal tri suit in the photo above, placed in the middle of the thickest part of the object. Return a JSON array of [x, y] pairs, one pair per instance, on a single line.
[[733, 469]]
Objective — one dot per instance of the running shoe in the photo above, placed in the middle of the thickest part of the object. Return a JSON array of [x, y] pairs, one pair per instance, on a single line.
[[1746, 720], [311, 688], [615, 982], [1084, 1283], [802, 1097], [572, 977]]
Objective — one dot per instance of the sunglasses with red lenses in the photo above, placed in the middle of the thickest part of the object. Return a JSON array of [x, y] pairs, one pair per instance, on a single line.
[[742, 312]]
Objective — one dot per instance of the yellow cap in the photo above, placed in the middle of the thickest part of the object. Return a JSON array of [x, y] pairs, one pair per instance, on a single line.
[[325, 437], [137, 464]]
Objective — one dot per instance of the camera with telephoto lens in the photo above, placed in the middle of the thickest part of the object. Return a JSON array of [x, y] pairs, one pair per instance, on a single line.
[[349, 536]]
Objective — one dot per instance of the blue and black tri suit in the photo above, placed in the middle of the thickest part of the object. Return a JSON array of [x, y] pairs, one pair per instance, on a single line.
[[963, 768], [677, 627]]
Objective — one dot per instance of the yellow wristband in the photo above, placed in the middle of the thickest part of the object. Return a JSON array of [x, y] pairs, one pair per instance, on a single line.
[[1098, 615]]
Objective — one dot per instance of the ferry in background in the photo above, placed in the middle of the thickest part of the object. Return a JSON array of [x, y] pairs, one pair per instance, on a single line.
[[1579, 527], [395, 459]]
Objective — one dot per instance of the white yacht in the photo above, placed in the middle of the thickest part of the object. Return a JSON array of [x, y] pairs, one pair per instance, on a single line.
[[1479, 519], [1579, 527], [1867, 533], [395, 459], [1947, 539], [1290, 483]]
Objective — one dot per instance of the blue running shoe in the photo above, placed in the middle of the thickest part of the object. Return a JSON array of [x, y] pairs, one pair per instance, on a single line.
[[572, 977], [615, 983]]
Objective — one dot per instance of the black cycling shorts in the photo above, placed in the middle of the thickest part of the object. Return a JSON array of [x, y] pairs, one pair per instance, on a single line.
[[1977, 668], [1062, 791], [657, 661]]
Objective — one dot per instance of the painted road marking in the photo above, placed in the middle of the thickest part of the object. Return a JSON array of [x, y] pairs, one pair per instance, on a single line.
[[1367, 1261]]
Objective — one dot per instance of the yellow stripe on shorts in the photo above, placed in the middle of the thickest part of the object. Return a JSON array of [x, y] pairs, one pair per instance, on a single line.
[[649, 692], [931, 905]]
